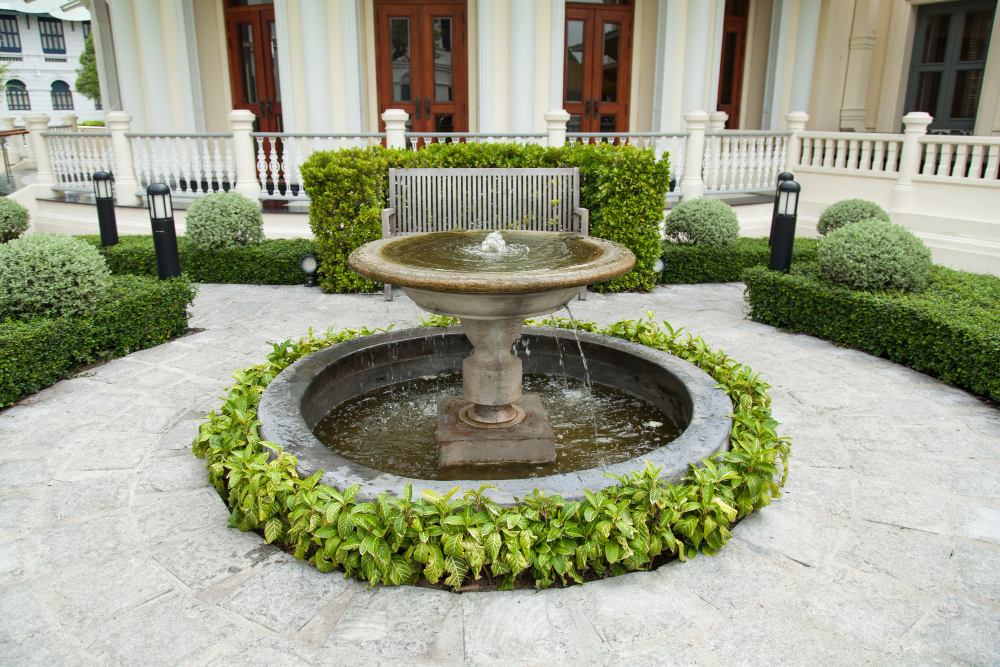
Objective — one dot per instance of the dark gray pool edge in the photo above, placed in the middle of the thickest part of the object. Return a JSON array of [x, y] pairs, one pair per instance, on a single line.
[[283, 423]]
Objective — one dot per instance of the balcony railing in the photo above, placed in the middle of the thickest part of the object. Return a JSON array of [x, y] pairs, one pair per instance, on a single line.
[[75, 156], [280, 157], [192, 165]]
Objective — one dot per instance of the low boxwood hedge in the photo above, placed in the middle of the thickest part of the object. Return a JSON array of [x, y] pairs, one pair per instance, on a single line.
[[135, 313], [950, 330], [273, 262], [690, 264]]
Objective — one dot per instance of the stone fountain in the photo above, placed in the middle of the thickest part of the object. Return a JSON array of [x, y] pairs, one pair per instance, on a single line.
[[492, 283]]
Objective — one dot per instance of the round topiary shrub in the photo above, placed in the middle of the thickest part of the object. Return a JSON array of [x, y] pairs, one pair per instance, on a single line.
[[50, 275], [874, 255], [848, 211], [704, 222], [224, 220], [13, 219]]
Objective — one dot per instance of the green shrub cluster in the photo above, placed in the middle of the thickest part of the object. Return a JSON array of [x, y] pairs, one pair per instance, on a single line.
[[690, 264], [874, 255], [950, 330], [272, 262], [710, 223], [92, 123], [622, 186], [50, 275], [848, 211], [397, 540], [133, 313], [223, 220], [13, 219]]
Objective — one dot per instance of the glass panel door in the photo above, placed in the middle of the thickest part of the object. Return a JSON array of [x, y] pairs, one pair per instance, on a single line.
[[597, 67], [734, 38], [253, 64]]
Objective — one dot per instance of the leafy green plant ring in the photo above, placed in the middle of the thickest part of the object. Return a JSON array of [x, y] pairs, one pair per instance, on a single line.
[[399, 539]]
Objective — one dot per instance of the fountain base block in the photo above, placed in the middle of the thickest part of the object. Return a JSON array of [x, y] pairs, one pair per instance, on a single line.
[[529, 441]]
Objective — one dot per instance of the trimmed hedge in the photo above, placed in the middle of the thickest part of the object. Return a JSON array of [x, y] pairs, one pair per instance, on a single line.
[[950, 330], [687, 264], [135, 313], [622, 186], [273, 262]]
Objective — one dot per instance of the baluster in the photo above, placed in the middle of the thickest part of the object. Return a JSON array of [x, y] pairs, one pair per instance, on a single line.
[[866, 155], [828, 153], [992, 162], [218, 165], [185, 166], [175, 163], [230, 166], [944, 164], [878, 163], [961, 161], [929, 158], [89, 159], [892, 160], [274, 165], [297, 163], [841, 158], [262, 163], [286, 166], [976, 167]]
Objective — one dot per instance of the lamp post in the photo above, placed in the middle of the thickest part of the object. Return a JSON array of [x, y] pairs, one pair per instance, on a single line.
[[161, 217], [785, 212], [782, 177], [105, 208]]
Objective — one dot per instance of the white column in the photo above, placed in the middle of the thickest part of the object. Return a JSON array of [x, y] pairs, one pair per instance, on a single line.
[[696, 58], [126, 183], [129, 63], [777, 48], [241, 124], [555, 125], [692, 186], [187, 51], [805, 54], [104, 53], [36, 124], [316, 63], [521, 73], [284, 36], [854, 107], [351, 28], [558, 55], [914, 126], [70, 119], [395, 127], [796, 121], [718, 23], [663, 76], [717, 121], [157, 84], [13, 142], [484, 63]]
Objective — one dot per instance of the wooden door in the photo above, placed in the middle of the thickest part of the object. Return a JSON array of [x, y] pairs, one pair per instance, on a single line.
[[734, 45], [422, 63], [253, 63], [597, 67]]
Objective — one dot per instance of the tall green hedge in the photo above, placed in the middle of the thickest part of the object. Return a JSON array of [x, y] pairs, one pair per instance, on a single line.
[[951, 329], [273, 262], [690, 264], [622, 186], [136, 312]]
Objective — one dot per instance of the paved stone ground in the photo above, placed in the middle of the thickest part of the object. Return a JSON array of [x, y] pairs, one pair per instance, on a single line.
[[884, 550]]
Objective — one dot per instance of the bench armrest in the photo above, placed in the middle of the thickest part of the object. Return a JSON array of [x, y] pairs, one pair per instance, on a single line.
[[388, 218], [584, 216]]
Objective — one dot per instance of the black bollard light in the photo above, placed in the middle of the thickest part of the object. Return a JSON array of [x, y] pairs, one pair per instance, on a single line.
[[105, 208], [785, 212], [309, 265], [161, 217], [782, 177]]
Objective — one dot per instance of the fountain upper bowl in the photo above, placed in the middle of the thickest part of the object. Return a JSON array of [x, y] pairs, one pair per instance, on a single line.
[[453, 262]]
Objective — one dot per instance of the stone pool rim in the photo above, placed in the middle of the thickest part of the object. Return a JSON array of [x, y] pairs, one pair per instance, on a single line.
[[283, 423]]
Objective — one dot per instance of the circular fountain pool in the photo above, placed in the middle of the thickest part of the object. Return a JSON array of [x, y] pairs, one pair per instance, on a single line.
[[302, 395]]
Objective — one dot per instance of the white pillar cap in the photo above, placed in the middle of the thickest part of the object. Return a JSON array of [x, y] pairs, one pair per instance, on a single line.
[[556, 114], [395, 114]]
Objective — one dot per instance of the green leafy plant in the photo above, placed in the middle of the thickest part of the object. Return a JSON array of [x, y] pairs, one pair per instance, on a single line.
[[950, 330], [874, 255], [224, 220], [622, 186], [702, 222], [848, 211], [87, 82], [455, 536], [689, 264], [50, 275], [92, 123], [13, 219]]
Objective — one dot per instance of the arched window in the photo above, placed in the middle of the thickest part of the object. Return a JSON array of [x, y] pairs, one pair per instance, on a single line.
[[17, 96], [62, 98]]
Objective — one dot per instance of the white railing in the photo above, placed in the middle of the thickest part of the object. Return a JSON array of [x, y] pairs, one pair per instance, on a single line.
[[417, 140], [192, 165], [960, 159], [673, 144], [280, 158], [75, 156], [62, 128], [743, 161], [876, 154]]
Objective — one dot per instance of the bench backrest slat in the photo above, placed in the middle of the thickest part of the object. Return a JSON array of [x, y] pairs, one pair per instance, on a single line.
[[428, 200]]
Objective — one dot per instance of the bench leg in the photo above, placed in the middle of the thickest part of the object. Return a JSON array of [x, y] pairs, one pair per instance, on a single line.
[[388, 292], [583, 293]]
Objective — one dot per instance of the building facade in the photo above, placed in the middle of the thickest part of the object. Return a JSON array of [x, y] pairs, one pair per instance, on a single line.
[[332, 66]]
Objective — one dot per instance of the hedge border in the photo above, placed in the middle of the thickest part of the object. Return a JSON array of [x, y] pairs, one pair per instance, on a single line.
[[693, 264], [136, 313], [951, 330], [396, 540]]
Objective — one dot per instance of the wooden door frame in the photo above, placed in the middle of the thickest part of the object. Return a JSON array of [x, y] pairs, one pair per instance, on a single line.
[[256, 15], [741, 30]]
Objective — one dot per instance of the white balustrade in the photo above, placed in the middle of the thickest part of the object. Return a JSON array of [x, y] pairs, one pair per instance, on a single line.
[[191, 165], [671, 144], [280, 158], [851, 152], [75, 156], [964, 159], [744, 161]]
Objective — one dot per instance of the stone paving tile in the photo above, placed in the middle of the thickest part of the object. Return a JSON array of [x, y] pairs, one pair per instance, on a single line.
[[884, 549]]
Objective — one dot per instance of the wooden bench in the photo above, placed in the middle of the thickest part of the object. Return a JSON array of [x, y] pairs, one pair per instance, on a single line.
[[436, 200]]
